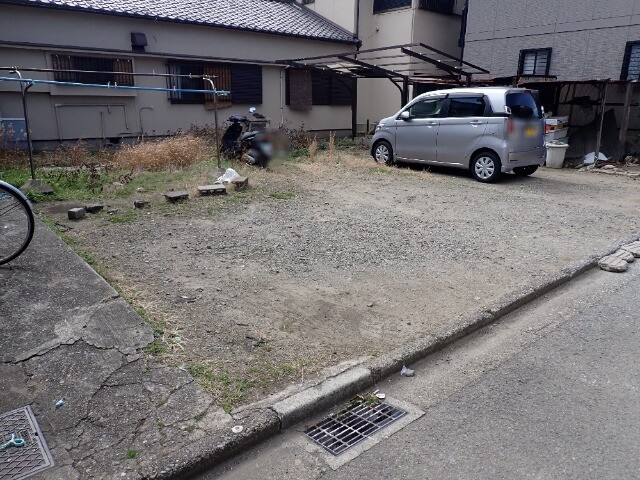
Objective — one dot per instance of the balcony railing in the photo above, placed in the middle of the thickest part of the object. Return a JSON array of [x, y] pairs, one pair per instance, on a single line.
[[440, 6]]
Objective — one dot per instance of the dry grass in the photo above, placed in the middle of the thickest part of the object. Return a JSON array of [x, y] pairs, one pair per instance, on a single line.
[[332, 144], [313, 149], [169, 154]]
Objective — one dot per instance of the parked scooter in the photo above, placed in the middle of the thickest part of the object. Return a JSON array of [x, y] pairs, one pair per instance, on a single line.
[[247, 138]]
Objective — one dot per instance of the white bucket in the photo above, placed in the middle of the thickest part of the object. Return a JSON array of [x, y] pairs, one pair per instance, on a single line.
[[555, 154]]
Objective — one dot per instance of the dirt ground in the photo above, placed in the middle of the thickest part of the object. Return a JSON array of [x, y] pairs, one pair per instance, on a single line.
[[322, 262]]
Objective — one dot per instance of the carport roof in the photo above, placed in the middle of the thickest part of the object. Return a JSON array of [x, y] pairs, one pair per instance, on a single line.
[[280, 17], [418, 62]]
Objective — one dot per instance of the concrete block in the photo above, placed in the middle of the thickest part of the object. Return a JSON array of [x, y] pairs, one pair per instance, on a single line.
[[241, 183], [177, 196], [140, 203], [76, 213], [95, 208], [215, 189]]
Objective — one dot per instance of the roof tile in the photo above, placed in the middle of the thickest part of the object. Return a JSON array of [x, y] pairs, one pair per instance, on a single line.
[[283, 17]]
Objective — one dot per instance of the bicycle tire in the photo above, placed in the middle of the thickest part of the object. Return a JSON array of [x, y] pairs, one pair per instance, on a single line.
[[15, 213]]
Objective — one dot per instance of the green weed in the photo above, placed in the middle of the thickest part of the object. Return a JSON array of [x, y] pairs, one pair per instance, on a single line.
[[282, 195], [131, 454]]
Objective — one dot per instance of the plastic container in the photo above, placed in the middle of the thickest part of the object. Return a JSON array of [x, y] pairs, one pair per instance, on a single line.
[[556, 134], [555, 154]]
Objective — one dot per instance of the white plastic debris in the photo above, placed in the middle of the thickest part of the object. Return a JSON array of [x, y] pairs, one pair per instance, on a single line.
[[237, 429], [59, 403], [590, 158], [228, 176], [406, 372]]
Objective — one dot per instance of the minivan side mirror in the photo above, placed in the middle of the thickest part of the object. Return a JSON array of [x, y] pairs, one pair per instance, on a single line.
[[405, 115]]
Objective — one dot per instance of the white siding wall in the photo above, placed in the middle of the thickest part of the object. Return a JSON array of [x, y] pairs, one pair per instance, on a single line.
[[588, 37]]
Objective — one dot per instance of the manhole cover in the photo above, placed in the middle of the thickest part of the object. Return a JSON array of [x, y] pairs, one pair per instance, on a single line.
[[352, 425], [33, 457]]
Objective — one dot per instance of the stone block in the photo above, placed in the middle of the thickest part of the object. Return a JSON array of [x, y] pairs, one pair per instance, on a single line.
[[215, 189], [611, 263], [177, 196], [95, 208], [624, 255], [633, 249], [76, 213], [140, 203], [241, 183]]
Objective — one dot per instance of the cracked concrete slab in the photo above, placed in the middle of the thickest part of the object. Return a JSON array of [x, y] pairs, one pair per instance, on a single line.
[[68, 335]]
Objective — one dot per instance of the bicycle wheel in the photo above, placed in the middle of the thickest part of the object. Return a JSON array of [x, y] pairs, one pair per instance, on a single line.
[[16, 223]]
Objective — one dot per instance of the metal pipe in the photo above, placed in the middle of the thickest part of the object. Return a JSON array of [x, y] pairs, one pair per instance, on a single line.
[[109, 86], [215, 114], [140, 118], [136, 74], [603, 105], [23, 91]]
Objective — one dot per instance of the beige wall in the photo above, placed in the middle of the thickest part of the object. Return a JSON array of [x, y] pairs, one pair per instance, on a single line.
[[378, 98], [55, 112], [340, 12]]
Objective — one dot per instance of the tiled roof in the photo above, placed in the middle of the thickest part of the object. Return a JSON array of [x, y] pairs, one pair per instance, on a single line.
[[281, 17]]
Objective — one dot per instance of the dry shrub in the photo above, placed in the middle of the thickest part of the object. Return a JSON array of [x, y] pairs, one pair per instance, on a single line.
[[332, 144], [11, 152], [169, 154], [313, 148]]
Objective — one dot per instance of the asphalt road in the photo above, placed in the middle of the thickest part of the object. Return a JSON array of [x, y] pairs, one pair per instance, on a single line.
[[551, 391]]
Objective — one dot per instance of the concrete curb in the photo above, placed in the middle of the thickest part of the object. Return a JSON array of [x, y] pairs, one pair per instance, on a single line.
[[338, 388]]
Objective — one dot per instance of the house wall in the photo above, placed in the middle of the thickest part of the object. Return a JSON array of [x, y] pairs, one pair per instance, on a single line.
[[72, 112], [378, 98], [588, 37], [341, 12]]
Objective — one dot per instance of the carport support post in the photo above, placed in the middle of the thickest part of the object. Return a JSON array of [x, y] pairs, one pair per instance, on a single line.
[[354, 107], [602, 107], [624, 123], [405, 91]]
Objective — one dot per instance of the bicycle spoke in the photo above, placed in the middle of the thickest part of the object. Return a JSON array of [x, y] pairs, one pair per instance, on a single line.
[[16, 223]]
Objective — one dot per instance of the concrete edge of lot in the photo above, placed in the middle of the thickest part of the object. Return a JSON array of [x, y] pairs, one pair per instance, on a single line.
[[293, 409]]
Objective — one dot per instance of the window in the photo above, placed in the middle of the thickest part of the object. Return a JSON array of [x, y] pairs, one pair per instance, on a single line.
[[384, 5], [631, 62], [326, 88], [524, 105], [429, 108], [535, 62], [466, 107], [440, 6], [103, 70], [243, 81]]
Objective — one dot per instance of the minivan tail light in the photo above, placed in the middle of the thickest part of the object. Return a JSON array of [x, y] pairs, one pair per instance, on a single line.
[[510, 125]]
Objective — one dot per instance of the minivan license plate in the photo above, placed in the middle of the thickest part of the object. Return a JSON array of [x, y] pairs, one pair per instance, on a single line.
[[530, 131]]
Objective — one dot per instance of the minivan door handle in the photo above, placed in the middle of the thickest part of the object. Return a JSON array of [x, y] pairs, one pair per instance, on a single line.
[[476, 122], [431, 123]]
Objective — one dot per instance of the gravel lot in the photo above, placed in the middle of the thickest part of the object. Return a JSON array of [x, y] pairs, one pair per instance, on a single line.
[[320, 263]]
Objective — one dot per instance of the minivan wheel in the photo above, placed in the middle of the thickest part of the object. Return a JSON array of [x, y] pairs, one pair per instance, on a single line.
[[486, 167], [525, 171], [383, 153]]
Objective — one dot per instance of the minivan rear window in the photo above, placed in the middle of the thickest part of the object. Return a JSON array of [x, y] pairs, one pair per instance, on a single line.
[[524, 105]]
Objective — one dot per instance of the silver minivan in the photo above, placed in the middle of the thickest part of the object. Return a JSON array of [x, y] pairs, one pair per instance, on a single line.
[[487, 130]]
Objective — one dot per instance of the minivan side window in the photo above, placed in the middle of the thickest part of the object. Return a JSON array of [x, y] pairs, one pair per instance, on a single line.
[[466, 107], [428, 108]]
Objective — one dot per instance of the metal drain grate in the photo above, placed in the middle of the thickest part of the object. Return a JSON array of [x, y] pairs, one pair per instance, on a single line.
[[352, 425], [22, 462]]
